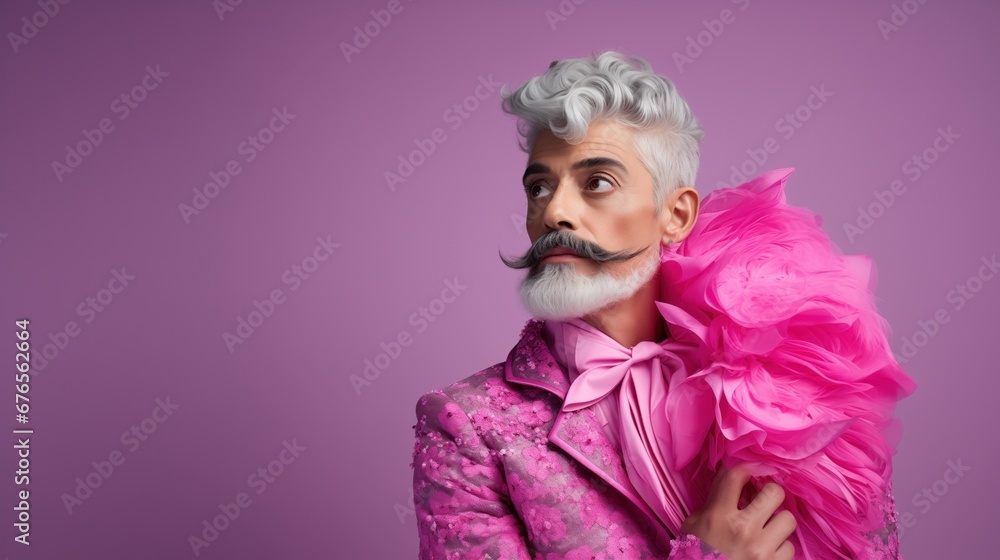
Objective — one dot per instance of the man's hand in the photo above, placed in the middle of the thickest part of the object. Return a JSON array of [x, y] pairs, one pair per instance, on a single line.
[[743, 534]]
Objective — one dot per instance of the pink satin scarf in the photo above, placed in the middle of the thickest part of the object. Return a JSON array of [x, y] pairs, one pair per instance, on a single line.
[[601, 372]]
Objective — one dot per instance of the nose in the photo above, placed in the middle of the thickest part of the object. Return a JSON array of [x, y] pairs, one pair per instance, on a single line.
[[561, 209]]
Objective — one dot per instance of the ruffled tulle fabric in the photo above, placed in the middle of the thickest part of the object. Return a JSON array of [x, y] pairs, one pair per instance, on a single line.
[[793, 371]]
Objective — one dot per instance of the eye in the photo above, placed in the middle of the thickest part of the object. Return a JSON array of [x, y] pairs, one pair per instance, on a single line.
[[530, 189], [597, 178]]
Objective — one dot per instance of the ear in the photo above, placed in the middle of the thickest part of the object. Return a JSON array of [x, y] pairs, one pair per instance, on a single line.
[[679, 214]]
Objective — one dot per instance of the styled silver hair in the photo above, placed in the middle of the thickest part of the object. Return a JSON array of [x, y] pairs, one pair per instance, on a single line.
[[575, 92]]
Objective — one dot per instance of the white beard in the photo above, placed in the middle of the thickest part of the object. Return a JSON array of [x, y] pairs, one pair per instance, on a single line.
[[559, 292]]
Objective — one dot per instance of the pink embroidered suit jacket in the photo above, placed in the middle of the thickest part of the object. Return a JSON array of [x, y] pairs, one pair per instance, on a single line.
[[501, 472]]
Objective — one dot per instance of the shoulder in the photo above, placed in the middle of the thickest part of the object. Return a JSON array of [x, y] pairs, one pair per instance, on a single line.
[[486, 392], [465, 391], [489, 387]]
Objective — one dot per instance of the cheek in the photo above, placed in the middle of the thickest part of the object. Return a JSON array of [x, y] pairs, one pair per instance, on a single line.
[[533, 222], [627, 231], [534, 214]]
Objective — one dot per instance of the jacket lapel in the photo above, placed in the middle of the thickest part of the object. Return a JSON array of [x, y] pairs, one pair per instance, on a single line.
[[578, 433]]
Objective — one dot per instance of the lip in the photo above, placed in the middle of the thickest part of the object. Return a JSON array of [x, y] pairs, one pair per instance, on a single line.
[[560, 254]]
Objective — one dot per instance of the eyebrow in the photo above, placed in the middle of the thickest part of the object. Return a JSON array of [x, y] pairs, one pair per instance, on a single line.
[[587, 163]]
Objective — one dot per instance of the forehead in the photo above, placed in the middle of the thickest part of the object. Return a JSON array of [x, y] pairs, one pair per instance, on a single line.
[[603, 138]]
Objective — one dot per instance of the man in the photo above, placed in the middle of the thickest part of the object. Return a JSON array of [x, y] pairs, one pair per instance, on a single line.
[[579, 444]]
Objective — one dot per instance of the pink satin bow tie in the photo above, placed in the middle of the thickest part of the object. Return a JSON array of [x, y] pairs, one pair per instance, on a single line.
[[603, 366], [643, 375]]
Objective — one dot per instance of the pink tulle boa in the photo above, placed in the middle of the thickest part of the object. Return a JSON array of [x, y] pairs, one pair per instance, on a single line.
[[795, 372]]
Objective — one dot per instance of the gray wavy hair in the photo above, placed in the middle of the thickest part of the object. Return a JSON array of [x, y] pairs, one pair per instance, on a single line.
[[574, 92]]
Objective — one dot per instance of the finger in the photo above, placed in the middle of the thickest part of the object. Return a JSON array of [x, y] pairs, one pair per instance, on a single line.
[[785, 552], [713, 491], [764, 503], [730, 483], [779, 528]]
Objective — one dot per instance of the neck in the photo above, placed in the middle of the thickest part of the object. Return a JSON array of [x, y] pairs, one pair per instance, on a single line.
[[632, 320]]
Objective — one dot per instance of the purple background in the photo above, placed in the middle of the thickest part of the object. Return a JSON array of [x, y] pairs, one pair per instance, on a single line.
[[347, 494]]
